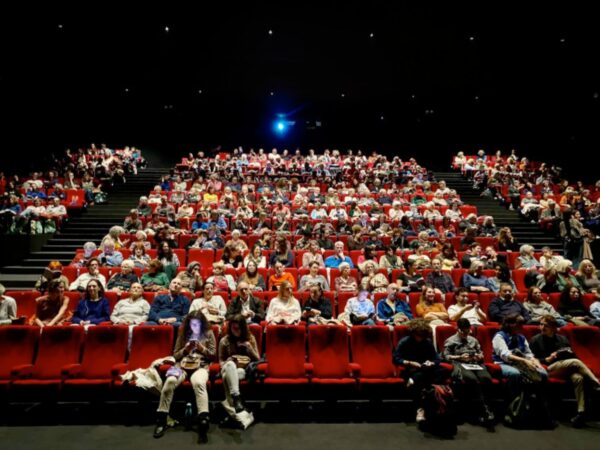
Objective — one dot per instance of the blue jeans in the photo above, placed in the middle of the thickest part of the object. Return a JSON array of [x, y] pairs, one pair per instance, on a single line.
[[514, 378]]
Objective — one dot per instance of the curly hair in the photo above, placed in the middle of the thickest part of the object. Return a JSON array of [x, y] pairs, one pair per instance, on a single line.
[[419, 327]]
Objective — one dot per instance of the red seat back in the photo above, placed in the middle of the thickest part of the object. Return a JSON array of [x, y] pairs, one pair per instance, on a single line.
[[372, 350], [149, 343], [442, 333], [286, 347], [585, 342], [59, 346], [25, 301], [18, 344], [485, 336], [103, 348], [328, 351]]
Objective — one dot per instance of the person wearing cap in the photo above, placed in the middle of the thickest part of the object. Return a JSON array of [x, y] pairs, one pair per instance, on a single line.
[[8, 308]]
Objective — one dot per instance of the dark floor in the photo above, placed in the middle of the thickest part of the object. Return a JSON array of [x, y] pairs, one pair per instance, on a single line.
[[302, 426]]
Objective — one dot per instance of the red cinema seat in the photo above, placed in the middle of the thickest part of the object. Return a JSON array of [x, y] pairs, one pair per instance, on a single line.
[[442, 333], [285, 350], [104, 347], [342, 299], [58, 347], [148, 343], [25, 301], [205, 257], [485, 335], [328, 353], [372, 355], [518, 276], [585, 342], [18, 344]]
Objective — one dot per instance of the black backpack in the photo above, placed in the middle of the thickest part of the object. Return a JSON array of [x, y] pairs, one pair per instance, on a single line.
[[438, 403], [527, 411]]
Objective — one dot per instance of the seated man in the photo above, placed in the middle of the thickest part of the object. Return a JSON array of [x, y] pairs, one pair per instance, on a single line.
[[517, 361], [554, 349], [505, 305], [109, 256], [441, 281], [334, 261], [250, 307], [465, 353], [171, 308]]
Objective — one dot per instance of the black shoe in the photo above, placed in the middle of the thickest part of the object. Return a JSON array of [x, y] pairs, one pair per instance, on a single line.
[[203, 425], [578, 421], [487, 417], [161, 425], [237, 403]]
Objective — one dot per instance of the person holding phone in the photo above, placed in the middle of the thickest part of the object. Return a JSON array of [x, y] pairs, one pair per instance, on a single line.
[[466, 309]]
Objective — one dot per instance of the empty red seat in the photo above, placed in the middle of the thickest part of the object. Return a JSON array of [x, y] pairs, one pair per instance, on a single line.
[[285, 353], [18, 344], [372, 355], [328, 353], [104, 347], [585, 342]]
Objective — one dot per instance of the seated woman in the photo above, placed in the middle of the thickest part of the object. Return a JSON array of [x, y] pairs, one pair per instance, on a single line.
[[360, 310], [411, 280], [503, 275], [313, 278], [52, 272], [587, 276], [220, 280], [122, 281], [394, 310], [431, 309], [109, 256], [256, 256], [254, 279], [232, 257], [419, 258], [236, 241], [312, 254], [155, 279], [93, 308], [141, 238], [344, 282], [93, 273], [474, 280], [317, 309], [52, 308], [191, 279], [282, 253], [284, 308], [212, 306], [553, 349], [538, 308], [564, 275], [526, 258], [417, 355], [132, 310], [196, 348], [572, 309], [449, 257], [390, 260], [463, 309], [139, 257], [236, 349], [168, 259], [511, 351], [372, 280]]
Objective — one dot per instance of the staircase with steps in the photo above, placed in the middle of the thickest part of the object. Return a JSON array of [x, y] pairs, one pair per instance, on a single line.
[[92, 225], [524, 231]]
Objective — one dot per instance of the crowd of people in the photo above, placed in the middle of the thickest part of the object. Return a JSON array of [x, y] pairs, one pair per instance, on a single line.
[[259, 238], [39, 202]]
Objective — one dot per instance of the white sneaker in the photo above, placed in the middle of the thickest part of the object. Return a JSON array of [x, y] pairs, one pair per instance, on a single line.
[[420, 415]]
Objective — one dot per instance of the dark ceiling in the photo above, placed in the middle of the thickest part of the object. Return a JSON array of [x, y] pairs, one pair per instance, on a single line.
[[394, 76]]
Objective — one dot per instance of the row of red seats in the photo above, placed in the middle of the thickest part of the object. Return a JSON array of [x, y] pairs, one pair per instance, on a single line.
[[66, 362], [26, 299]]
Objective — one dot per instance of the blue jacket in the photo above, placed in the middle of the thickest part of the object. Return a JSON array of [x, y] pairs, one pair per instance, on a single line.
[[385, 312], [96, 312], [334, 262], [164, 306]]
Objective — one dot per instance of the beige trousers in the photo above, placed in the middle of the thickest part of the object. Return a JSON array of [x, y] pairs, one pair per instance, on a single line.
[[198, 380], [577, 372]]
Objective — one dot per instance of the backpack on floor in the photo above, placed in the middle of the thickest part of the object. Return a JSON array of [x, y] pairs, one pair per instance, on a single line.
[[528, 412], [438, 403]]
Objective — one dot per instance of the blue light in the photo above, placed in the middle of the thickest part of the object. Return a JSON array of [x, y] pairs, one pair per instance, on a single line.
[[280, 126]]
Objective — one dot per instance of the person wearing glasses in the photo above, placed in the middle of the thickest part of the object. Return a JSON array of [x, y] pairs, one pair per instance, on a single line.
[[471, 376]]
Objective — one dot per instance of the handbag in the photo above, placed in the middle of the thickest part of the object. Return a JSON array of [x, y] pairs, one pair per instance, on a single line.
[[241, 361], [191, 361]]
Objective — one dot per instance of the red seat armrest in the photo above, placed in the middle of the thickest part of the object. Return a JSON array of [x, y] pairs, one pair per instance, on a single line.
[[21, 371], [214, 370], [70, 371], [119, 369], [355, 369], [494, 370]]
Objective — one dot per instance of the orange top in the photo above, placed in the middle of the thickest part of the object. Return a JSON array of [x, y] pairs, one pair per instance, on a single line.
[[275, 281], [423, 308]]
